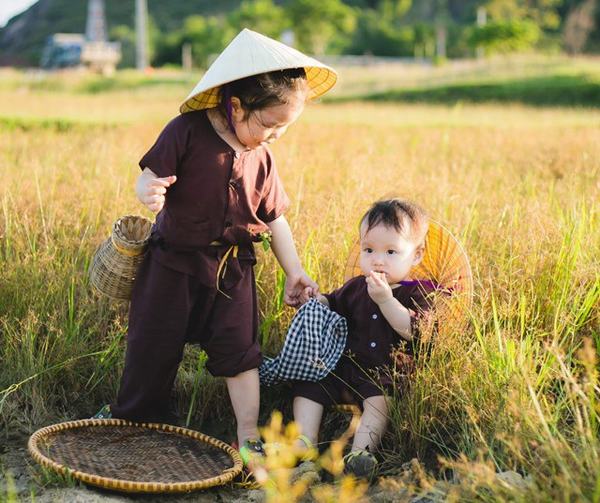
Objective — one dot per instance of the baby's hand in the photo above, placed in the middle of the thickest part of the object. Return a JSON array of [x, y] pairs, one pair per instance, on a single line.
[[378, 288], [151, 190]]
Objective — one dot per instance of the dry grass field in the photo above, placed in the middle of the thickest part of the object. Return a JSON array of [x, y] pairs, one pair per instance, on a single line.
[[517, 390]]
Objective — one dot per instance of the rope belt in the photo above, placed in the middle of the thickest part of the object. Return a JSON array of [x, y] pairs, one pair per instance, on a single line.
[[222, 268]]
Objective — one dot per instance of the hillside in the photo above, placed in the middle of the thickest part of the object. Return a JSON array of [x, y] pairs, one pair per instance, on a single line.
[[23, 38]]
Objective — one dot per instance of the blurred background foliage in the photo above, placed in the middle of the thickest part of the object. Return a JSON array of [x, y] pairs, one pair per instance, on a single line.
[[433, 29]]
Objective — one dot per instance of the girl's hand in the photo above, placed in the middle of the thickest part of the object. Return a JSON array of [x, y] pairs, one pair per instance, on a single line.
[[151, 190], [378, 288], [298, 289]]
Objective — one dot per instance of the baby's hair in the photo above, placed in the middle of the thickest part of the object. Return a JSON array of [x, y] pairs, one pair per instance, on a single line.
[[408, 218], [261, 91]]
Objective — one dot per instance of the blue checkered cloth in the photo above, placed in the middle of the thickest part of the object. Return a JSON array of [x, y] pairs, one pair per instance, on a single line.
[[313, 345]]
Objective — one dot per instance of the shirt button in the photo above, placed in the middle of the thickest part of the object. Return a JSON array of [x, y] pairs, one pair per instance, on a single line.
[[374, 316], [373, 344]]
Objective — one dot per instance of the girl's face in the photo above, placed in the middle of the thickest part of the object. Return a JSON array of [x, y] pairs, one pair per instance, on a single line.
[[384, 249], [266, 125]]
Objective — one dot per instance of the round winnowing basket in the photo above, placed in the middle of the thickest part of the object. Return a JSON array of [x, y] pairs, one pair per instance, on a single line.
[[135, 457], [446, 265], [117, 259]]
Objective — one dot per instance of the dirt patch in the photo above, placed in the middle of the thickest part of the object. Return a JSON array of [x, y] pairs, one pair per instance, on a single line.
[[23, 479]]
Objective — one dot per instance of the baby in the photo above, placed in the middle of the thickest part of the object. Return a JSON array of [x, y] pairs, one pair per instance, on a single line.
[[381, 308]]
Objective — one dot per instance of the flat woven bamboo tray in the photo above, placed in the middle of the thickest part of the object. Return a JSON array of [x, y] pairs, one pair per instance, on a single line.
[[135, 457]]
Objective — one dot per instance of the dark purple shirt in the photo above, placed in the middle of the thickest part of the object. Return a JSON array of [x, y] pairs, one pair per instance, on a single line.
[[370, 337], [219, 194]]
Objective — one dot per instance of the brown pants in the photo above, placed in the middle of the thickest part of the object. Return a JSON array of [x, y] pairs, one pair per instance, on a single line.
[[169, 309], [350, 382]]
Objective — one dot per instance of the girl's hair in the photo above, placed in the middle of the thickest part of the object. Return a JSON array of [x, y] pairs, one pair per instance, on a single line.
[[408, 218], [261, 91]]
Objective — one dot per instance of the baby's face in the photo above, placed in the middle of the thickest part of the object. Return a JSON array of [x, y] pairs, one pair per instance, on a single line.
[[383, 249]]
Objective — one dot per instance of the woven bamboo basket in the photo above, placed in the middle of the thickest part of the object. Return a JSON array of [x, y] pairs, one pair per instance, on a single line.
[[117, 259], [135, 457]]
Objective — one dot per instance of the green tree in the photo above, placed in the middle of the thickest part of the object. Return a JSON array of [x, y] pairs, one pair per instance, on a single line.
[[207, 35], [169, 49], [316, 22], [505, 36], [393, 10], [544, 13], [380, 36], [423, 40], [262, 16], [125, 35]]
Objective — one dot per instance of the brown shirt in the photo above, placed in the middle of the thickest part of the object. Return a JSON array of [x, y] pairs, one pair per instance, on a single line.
[[370, 337], [219, 194]]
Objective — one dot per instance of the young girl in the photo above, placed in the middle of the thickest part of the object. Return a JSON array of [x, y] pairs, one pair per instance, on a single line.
[[380, 307], [212, 180]]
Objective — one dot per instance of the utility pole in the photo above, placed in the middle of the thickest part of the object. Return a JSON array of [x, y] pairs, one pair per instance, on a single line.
[[97, 53], [481, 21], [186, 57], [441, 34], [95, 27], [441, 28], [141, 34]]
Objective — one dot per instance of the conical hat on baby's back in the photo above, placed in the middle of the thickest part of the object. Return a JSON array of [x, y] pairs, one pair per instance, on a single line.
[[251, 53]]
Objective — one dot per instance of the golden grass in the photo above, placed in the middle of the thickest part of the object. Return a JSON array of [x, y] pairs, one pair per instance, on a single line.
[[519, 186]]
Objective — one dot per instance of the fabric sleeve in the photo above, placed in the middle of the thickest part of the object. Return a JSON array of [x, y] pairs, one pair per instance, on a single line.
[[333, 301], [338, 299], [165, 155], [274, 201]]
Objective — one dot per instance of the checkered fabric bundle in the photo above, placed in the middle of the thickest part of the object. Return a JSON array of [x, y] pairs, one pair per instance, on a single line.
[[313, 345]]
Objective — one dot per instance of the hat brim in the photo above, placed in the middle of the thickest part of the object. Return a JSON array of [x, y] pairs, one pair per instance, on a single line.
[[319, 80]]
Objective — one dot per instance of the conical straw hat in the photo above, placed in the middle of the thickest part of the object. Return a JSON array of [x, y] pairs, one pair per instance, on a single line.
[[251, 53]]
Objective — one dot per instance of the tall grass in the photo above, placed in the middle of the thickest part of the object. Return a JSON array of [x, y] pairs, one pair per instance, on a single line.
[[517, 389]]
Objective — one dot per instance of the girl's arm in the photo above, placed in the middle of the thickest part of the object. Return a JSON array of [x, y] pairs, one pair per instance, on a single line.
[[298, 286]]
